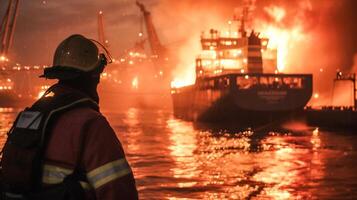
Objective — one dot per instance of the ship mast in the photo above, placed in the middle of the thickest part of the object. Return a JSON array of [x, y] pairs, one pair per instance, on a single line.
[[243, 20], [8, 27]]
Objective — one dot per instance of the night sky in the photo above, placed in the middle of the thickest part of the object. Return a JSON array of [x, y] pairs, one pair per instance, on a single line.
[[43, 24]]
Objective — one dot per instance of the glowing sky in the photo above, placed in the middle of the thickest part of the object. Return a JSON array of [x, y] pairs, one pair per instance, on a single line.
[[42, 24]]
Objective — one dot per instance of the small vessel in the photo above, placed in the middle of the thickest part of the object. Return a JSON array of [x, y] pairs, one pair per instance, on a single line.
[[237, 79], [336, 116]]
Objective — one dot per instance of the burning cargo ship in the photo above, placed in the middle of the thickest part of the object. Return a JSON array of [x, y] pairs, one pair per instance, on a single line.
[[237, 79]]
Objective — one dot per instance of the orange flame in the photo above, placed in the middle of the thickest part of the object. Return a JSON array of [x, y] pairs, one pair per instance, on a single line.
[[283, 39]]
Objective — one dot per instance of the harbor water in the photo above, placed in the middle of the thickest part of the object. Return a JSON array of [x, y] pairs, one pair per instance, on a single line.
[[173, 159]]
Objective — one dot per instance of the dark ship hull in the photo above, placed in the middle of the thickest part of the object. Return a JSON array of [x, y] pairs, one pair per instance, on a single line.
[[226, 98], [332, 118]]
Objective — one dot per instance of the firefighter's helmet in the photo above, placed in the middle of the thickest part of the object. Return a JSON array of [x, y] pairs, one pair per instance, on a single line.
[[74, 56]]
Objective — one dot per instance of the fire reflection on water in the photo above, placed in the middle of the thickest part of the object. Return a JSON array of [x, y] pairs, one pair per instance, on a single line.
[[174, 159], [244, 164], [131, 119], [183, 146], [6, 117]]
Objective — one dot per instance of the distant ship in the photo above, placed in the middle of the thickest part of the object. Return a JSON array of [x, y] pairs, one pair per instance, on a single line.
[[232, 85], [339, 115]]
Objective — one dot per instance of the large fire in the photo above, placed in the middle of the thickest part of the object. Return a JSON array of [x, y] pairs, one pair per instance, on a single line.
[[284, 39]]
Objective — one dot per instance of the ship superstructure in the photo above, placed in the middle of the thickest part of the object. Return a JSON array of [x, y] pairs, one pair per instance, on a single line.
[[234, 52], [237, 79]]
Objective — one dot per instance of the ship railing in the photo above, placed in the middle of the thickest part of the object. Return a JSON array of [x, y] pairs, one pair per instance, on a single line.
[[331, 108]]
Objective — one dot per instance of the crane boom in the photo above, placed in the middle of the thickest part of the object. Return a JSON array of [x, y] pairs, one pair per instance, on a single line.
[[101, 35], [8, 26], [155, 44]]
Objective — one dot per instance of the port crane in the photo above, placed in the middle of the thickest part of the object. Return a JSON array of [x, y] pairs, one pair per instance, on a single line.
[[160, 53], [8, 28], [156, 47]]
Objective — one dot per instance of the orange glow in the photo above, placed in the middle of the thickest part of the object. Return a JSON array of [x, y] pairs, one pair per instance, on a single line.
[[40, 94], [316, 95], [276, 12], [3, 59], [282, 39], [135, 83], [230, 64], [316, 132], [177, 83]]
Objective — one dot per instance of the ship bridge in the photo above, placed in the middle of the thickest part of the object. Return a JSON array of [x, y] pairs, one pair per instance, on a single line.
[[225, 52]]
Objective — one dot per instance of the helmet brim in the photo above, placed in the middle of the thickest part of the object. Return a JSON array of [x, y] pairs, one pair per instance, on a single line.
[[62, 73]]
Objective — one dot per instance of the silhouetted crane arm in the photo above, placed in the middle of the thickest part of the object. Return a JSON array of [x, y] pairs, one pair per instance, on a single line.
[[8, 26], [155, 44]]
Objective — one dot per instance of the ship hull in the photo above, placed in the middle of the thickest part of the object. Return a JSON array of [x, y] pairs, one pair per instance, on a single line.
[[247, 107], [331, 118]]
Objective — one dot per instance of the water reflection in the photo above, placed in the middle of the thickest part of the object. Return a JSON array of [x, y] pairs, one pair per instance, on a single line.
[[241, 165], [174, 159], [183, 145], [7, 116]]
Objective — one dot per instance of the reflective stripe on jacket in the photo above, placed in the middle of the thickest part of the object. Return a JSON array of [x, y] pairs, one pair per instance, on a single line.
[[103, 160]]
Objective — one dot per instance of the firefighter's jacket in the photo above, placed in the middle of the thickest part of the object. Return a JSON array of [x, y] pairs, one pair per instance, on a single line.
[[109, 176]]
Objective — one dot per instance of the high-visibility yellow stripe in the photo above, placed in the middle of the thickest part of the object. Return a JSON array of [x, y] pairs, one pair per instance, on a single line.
[[54, 175], [108, 172], [111, 177], [53, 168], [105, 167], [85, 185]]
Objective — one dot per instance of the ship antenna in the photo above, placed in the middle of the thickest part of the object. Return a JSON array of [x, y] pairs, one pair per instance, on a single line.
[[243, 20], [248, 6]]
